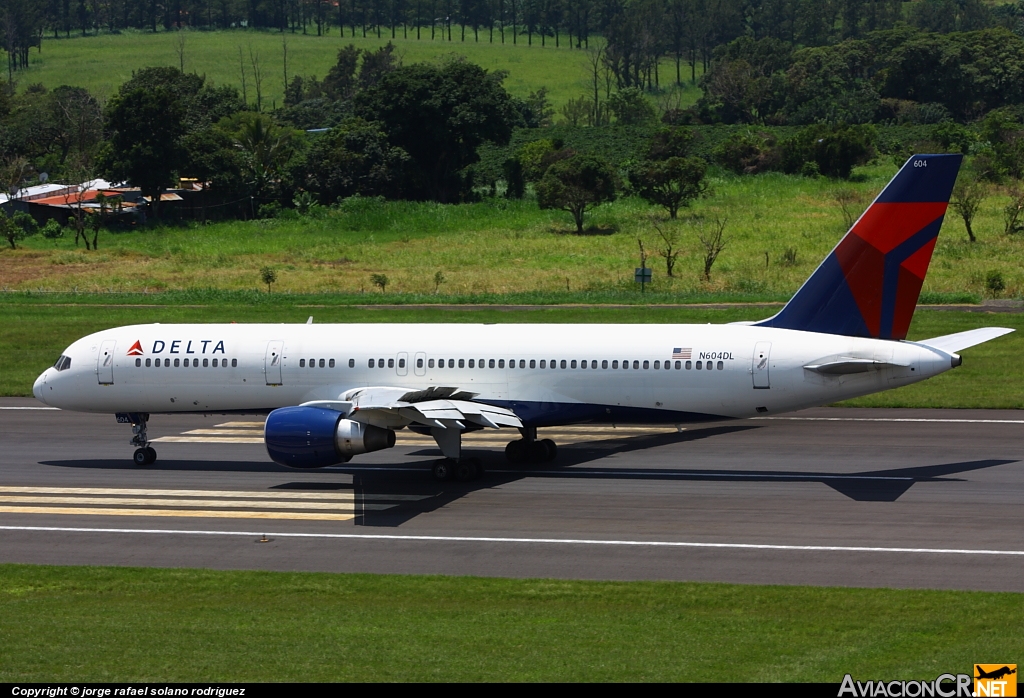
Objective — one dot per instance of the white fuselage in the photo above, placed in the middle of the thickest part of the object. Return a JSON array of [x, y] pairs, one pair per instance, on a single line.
[[633, 373]]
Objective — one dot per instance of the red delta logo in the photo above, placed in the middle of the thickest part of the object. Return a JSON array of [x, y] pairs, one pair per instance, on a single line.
[[136, 349]]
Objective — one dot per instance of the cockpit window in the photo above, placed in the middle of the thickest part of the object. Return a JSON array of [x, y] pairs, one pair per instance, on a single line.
[[63, 363]]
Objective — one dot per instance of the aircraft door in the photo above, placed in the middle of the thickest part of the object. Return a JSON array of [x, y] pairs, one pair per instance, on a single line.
[[273, 361], [105, 362], [759, 364], [402, 367], [420, 367]]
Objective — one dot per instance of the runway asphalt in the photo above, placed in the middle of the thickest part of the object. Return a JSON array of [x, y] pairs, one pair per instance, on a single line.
[[873, 498]]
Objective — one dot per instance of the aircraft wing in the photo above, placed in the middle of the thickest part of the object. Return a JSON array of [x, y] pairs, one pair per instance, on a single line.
[[440, 407]]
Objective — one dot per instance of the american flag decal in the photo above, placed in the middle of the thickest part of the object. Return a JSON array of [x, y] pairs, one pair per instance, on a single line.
[[682, 353]]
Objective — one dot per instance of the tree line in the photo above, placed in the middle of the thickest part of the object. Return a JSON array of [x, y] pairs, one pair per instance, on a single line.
[[638, 32]]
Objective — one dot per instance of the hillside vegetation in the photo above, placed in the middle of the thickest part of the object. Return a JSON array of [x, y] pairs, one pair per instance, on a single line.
[[778, 228]]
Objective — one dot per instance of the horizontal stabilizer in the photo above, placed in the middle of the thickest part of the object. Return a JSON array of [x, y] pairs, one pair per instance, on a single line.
[[952, 343], [845, 366]]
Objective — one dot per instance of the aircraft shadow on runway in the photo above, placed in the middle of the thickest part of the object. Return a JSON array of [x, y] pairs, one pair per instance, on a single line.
[[376, 487]]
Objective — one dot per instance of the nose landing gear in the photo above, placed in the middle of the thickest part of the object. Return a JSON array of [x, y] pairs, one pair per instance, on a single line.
[[144, 453]]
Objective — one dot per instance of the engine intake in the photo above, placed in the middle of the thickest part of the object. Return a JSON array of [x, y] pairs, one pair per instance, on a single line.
[[313, 437]]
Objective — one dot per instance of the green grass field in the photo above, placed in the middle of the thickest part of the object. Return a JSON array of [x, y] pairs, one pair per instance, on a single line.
[[34, 329], [102, 63], [143, 625], [507, 247]]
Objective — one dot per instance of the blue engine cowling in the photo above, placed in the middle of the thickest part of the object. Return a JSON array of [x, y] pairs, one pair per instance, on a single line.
[[313, 437]]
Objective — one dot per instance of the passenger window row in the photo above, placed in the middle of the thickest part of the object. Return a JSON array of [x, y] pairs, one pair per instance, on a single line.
[[322, 363], [155, 363], [543, 363]]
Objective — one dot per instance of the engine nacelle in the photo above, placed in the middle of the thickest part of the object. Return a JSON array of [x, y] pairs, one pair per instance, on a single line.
[[313, 437]]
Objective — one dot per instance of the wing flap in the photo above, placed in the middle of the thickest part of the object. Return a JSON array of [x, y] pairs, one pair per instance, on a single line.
[[439, 407]]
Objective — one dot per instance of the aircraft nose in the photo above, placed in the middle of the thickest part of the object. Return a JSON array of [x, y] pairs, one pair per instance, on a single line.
[[37, 387]]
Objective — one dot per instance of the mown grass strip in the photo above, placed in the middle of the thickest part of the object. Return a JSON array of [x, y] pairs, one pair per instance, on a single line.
[[124, 624]]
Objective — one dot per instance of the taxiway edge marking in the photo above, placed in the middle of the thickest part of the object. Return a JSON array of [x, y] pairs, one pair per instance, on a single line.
[[549, 541]]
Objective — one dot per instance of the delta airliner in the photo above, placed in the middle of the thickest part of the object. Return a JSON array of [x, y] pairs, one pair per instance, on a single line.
[[332, 392]]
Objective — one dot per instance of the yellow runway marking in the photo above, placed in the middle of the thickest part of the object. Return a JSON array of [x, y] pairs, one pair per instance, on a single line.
[[209, 439], [226, 504], [251, 433], [196, 513], [341, 496]]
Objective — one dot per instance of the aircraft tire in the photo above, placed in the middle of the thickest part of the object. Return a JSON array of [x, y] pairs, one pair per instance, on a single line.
[[515, 451], [551, 449], [141, 457], [538, 451], [467, 469], [151, 455], [443, 470]]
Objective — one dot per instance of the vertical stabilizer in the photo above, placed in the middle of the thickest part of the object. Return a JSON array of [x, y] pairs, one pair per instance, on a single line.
[[869, 284]]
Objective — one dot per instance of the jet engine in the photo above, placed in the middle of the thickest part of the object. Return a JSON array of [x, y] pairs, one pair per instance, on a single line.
[[313, 437]]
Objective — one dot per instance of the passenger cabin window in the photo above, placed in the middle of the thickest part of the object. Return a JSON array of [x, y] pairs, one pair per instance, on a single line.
[[430, 363], [351, 363], [330, 363], [302, 363], [419, 363], [234, 363], [138, 362]]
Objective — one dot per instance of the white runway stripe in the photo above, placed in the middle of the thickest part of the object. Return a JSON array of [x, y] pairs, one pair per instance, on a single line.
[[528, 541], [893, 419]]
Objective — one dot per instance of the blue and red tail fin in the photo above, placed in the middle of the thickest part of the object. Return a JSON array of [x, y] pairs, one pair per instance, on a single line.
[[869, 285]]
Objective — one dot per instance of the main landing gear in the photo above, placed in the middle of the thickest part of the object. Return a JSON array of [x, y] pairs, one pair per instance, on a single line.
[[144, 453], [463, 469], [529, 449]]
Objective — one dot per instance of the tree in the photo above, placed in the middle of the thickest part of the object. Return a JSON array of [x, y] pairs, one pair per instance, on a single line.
[[712, 239], [265, 148], [146, 127], [631, 107], [670, 237], [16, 227], [577, 185], [77, 120], [380, 281], [440, 115], [968, 194], [671, 183], [354, 157], [268, 276]]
